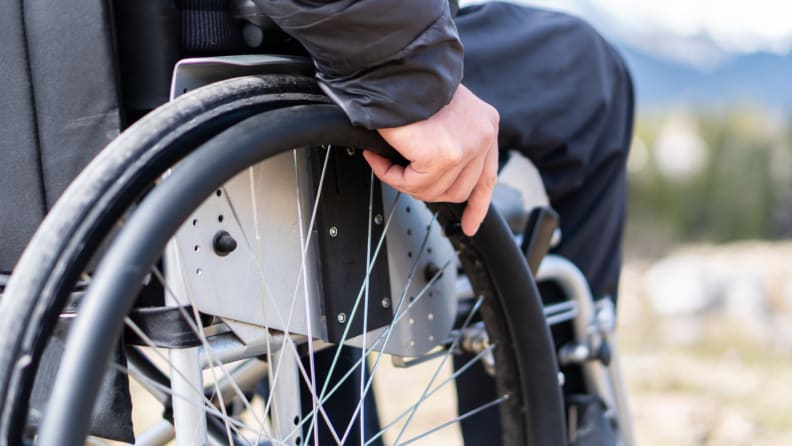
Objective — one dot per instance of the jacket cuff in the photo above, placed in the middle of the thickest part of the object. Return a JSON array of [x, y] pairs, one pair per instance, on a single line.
[[411, 86]]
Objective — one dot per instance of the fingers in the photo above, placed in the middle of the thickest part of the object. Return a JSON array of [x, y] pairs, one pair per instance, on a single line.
[[453, 156], [464, 182], [479, 200], [437, 185], [475, 183]]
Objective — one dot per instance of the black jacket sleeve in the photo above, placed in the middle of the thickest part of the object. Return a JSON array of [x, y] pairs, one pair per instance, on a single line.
[[385, 62]]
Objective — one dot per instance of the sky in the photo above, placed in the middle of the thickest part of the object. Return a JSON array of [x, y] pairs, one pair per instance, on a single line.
[[734, 25]]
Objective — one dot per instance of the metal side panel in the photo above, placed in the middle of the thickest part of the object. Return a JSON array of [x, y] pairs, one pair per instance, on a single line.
[[430, 319], [193, 73], [259, 282]]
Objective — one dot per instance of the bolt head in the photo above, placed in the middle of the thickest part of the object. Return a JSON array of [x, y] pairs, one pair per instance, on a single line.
[[223, 243], [341, 318], [386, 303], [378, 219], [333, 231]]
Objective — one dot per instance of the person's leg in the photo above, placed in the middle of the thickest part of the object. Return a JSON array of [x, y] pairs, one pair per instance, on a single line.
[[341, 406], [565, 101]]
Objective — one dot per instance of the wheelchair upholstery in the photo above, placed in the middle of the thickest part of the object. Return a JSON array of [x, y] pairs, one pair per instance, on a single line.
[[47, 133]]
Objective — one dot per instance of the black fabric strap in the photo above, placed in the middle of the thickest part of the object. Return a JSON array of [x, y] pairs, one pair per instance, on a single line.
[[207, 26]]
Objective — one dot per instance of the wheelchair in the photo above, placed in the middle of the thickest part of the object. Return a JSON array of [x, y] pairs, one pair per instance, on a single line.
[[232, 254]]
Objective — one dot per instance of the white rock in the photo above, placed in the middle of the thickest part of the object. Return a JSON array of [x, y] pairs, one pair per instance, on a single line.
[[680, 285], [744, 296]]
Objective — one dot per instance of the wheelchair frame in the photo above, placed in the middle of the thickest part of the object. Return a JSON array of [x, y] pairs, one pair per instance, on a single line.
[[593, 327]]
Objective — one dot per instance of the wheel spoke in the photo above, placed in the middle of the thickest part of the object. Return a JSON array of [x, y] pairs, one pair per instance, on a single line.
[[447, 355], [376, 343], [207, 404], [257, 252], [190, 320], [401, 301], [434, 390], [353, 311], [212, 359], [236, 425], [468, 414], [363, 392], [300, 274], [304, 250]]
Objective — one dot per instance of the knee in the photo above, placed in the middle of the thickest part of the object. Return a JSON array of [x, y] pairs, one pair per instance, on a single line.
[[600, 99], [602, 82], [595, 60]]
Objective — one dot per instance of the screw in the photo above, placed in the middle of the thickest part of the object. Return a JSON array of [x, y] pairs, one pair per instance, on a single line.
[[378, 219], [341, 318], [333, 231], [430, 316], [350, 151], [385, 302]]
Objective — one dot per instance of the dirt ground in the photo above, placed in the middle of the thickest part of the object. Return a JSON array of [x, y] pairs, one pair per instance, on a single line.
[[715, 376], [725, 384]]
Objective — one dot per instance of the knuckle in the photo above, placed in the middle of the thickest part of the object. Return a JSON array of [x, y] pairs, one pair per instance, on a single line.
[[492, 131], [495, 116], [425, 196], [408, 188], [459, 196], [430, 197], [486, 134], [452, 155], [488, 181]]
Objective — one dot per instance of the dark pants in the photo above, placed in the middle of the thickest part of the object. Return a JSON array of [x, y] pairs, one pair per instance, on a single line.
[[565, 101]]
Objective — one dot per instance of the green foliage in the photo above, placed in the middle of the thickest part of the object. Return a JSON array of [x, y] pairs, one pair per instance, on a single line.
[[742, 190]]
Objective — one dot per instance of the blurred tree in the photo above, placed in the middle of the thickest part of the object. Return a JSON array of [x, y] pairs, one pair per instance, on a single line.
[[741, 188]]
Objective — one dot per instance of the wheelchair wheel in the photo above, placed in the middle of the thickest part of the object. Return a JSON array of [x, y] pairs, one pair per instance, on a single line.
[[201, 142]]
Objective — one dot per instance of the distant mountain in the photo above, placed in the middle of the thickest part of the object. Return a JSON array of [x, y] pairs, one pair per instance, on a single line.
[[760, 79], [672, 69]]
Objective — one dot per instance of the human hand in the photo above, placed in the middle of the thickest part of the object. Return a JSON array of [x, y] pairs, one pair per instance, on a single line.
[[453, 157]]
